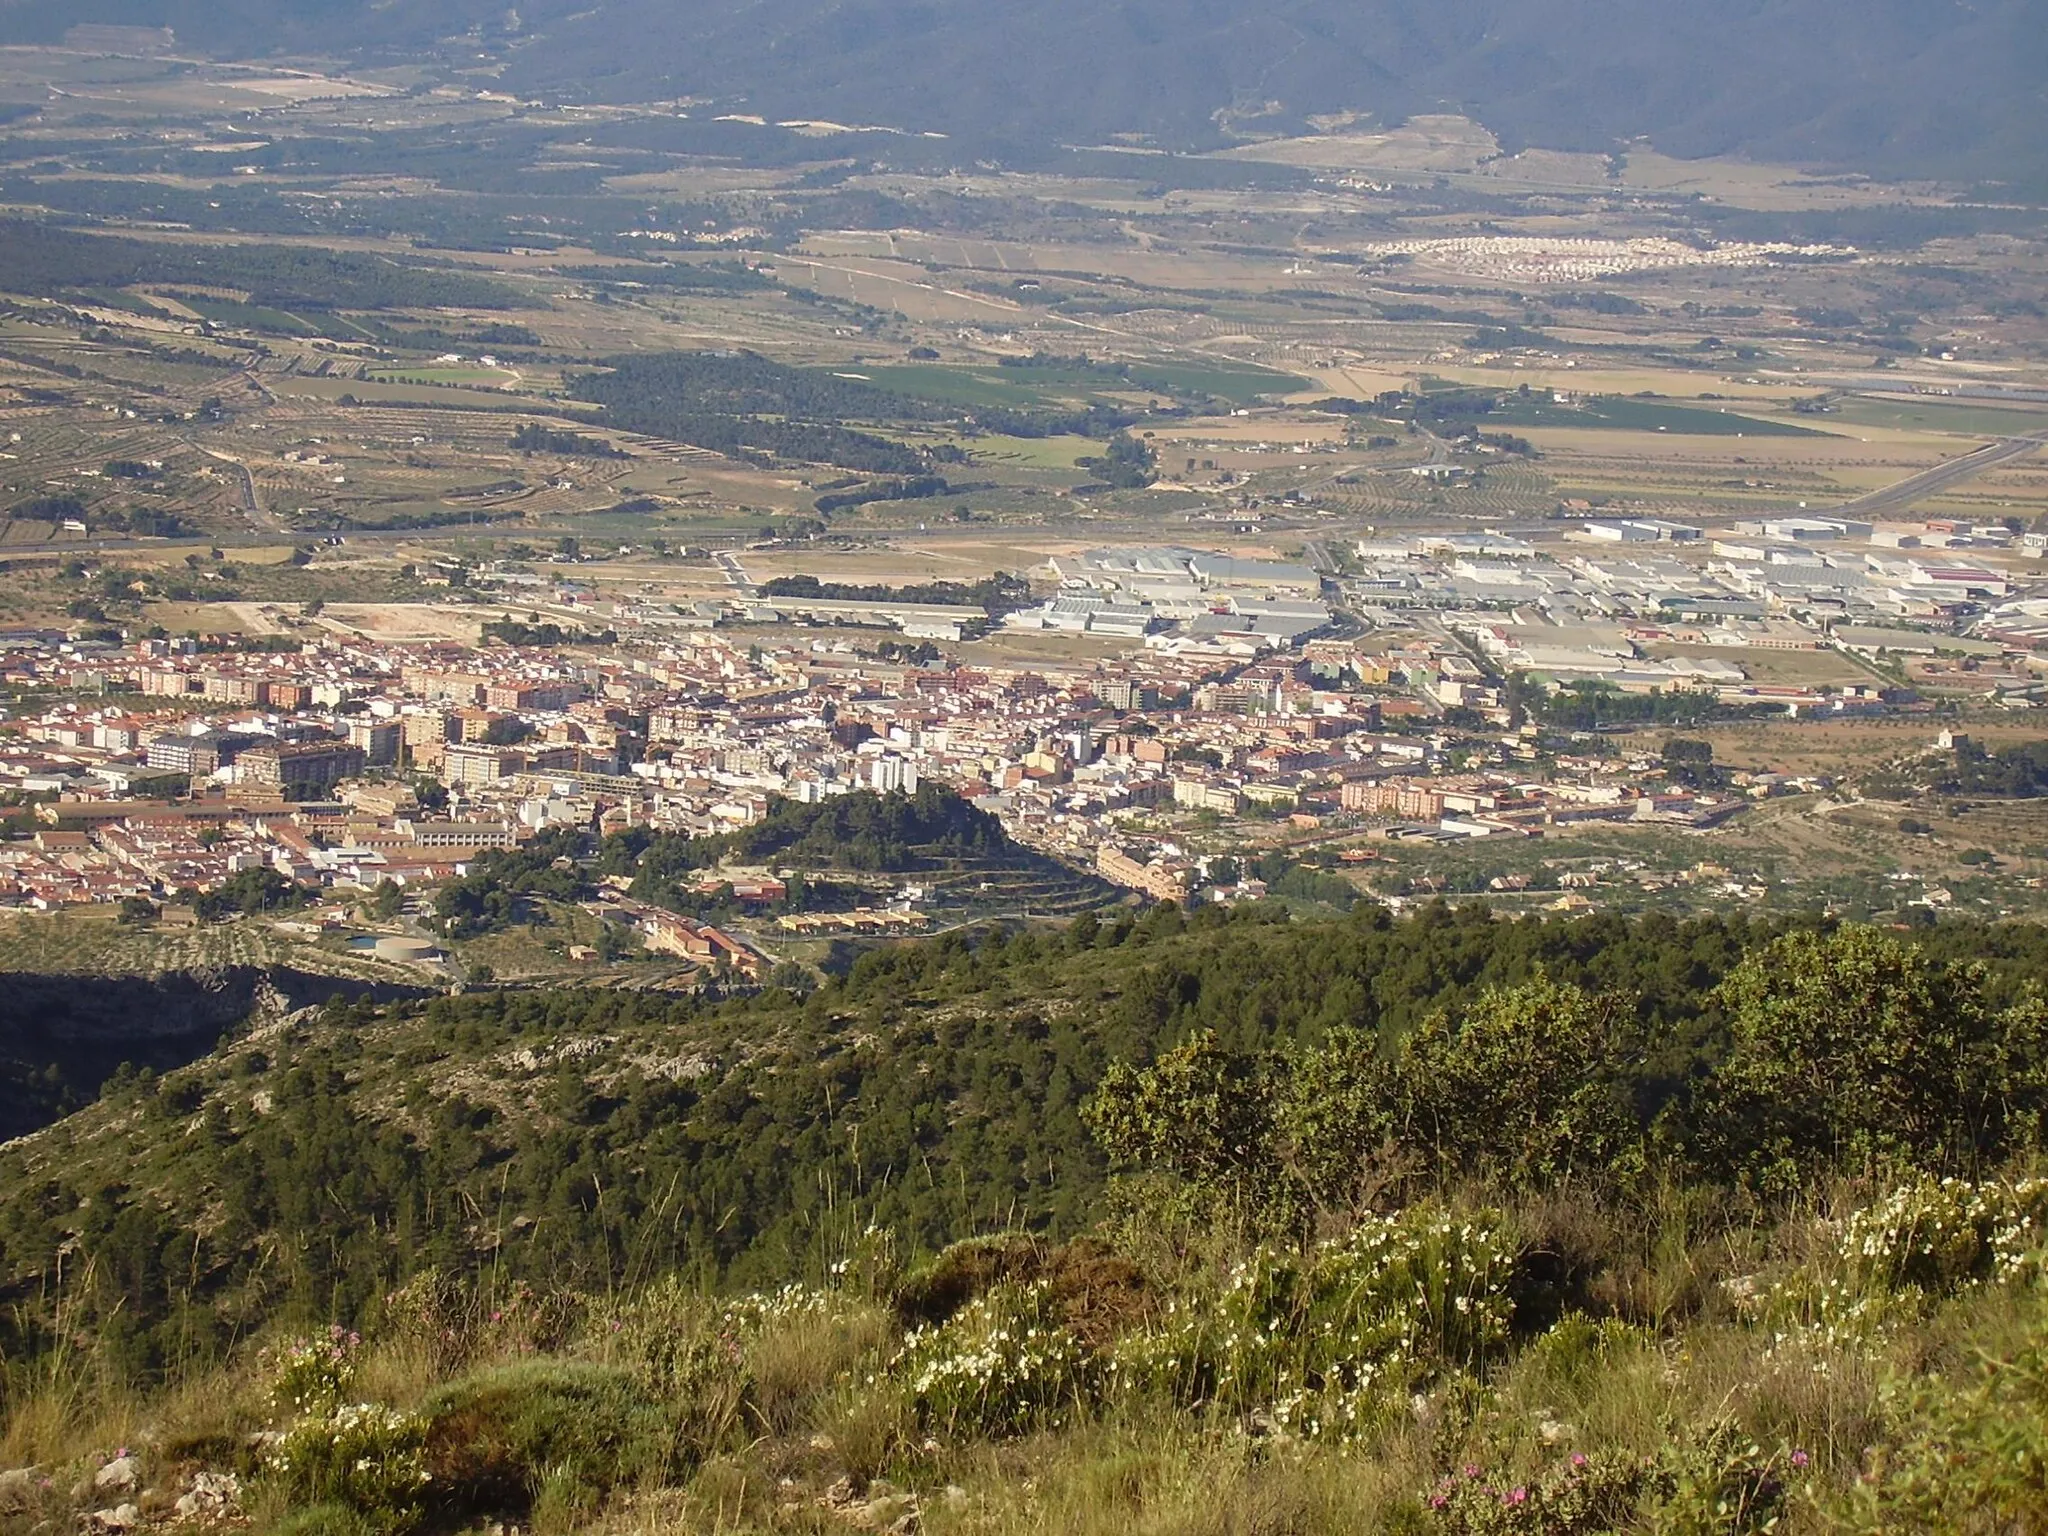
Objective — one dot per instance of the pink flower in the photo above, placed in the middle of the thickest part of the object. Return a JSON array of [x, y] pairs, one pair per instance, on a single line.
[[1471, 1471], [1578, 1458], [1518, 1496], [1800, 1459], [497, 1317]]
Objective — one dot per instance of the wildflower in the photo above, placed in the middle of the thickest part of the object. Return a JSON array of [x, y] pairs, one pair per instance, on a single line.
[[1800, 1460], [1579, 1458], [1518, 1496]]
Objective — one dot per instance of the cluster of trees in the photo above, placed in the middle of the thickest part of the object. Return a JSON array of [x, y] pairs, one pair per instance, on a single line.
[[498, 334], [144, 522], [47, 509], [863, 831], [912, 488], [2019, 771], [1128, 463], [742, 403], [390, 521], [947, 1086], [1593, 706], [503, 884], [247, 893], [1840, 1052], [534, 438], [44, 260], [722, 902], [1690, 761], [511, 631], [996, 594], [1095, 419]]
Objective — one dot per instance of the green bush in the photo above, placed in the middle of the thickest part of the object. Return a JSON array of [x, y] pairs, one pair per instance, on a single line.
[[1002, 1364], [1968, 1456], [1579, 1496], [494, 1439], [363, 1457], [312, 1376], [1925, 1240], [1319, 1346]]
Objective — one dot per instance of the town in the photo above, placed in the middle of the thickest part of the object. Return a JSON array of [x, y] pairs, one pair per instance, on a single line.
[[1240, 716]]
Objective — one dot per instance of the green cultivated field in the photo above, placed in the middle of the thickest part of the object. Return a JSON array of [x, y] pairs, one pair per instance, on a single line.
[[1973, 419], [1635, 415]]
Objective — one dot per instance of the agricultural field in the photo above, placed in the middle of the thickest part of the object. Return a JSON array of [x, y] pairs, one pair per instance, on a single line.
[[307, 361]]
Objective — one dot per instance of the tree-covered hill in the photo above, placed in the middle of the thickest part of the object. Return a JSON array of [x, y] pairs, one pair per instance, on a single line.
[[1442, 1224], [591, 1136]]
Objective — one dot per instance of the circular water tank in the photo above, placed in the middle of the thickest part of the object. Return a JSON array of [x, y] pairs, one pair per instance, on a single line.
[[405, 951]]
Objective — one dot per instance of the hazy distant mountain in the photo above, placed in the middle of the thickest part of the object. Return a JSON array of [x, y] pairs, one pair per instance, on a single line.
[[1954, 87]]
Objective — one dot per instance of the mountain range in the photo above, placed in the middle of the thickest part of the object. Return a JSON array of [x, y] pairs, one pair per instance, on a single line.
[[1951, 88]]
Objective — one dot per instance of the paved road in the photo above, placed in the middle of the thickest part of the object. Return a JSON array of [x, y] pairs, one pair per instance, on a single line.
[[1897, 498], [735, 574], [250, 502]]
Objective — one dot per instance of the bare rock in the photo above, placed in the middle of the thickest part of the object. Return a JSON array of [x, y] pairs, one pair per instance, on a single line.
[[120, 1473]]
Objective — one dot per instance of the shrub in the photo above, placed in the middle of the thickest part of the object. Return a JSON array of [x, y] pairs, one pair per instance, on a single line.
[[1969, 1456], [1096, 1291], [1002, 1364], [764, 1359], [362, 1457], [1718, 1483], [453, 1324], [1938, 1237], [1576, 1497], [937, 1289], [1925, 1240], [1714, 1483], [1317, 1346], [312, 1376], [493, 1439]]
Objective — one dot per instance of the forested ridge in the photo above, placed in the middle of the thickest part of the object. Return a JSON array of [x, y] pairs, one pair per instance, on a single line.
[[936, 1089], [41, 259], [1230, 1223]]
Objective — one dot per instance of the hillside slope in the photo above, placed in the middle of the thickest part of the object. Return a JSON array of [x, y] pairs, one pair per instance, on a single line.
[[1884, 85], [1443, 1225]]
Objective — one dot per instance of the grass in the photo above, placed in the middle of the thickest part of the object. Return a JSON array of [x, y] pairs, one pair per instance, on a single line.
[[1026, 387], [250, 317], [1972, 419], [1633, 415], [669, 1410]]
